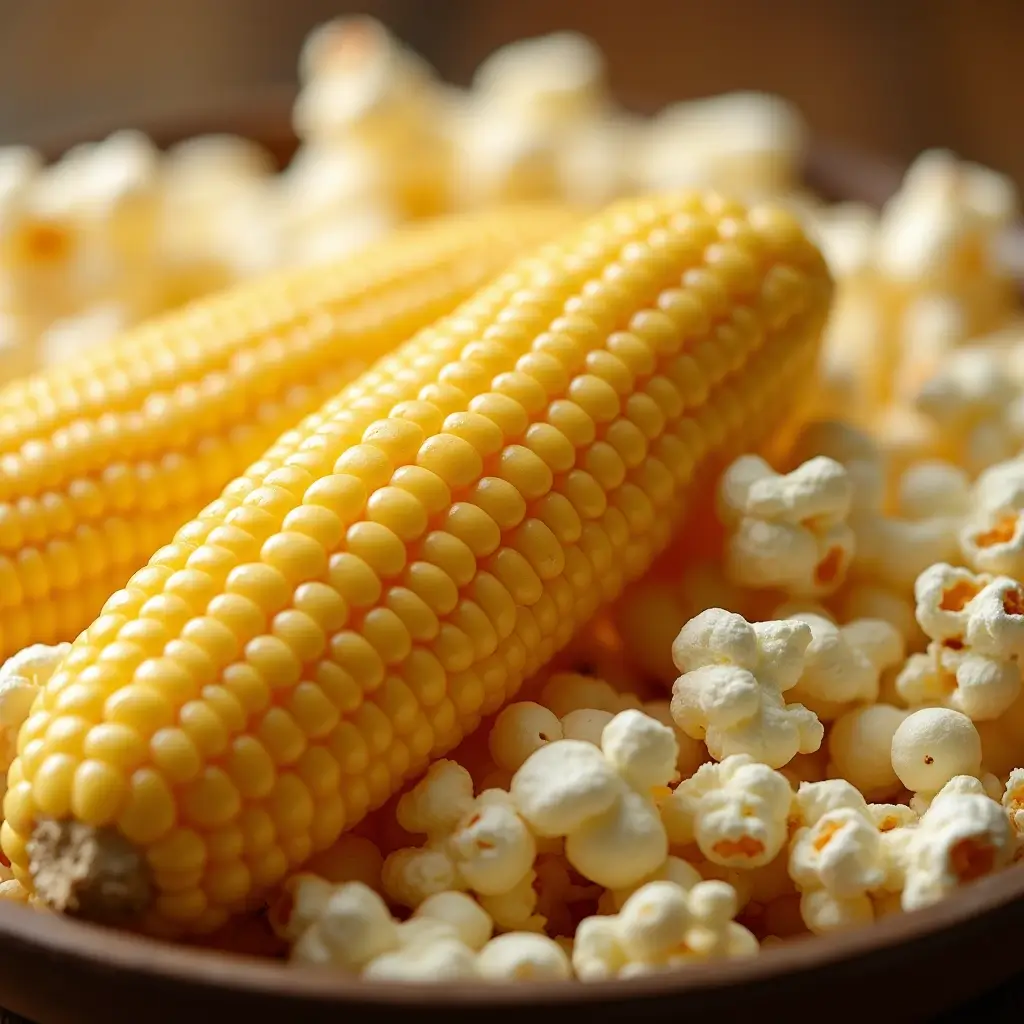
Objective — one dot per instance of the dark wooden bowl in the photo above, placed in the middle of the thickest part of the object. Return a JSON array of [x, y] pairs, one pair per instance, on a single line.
[[908, 967]]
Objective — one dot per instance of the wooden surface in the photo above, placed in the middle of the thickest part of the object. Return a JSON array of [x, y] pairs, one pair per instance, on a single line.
[[890, 76]]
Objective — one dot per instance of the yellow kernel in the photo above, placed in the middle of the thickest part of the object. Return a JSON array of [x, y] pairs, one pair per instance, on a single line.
[[426, 487], [290, 805], [117, 744], [354, 580], [377, 546], [20, 807], [196, 662], [479, 431], [467, 692], [97, 793], [413, 612], [496, 602], [323, 604], [262, 584], [556, 512], [174, 754], [338, 686], [320, 772], [453, 648], [228, 883], [506, 413], [603, 463], [342, 494], [250, 767], [140, 708], [349, 748], [316, 522], [257, 828], [225, 844], [549, 371], [281, 736], [226, 706], [425, 676], [329, 822], [242, 546], [256, 522], [168, 677], [399, 703], [451, 555], [243, 617], [452, 458], [181, 906], [301, 633], [627, 439], [274, 660], [527, 472], [295, 556], [366, 462], [552, 446], [433, 585], [204, 727], [398, 438], [274, 500], [313, 712], [357, 656], [473, 527], [173, 612], [268, 868], [210, 800], [516, 575], [181, 849], [66, 735], [251, 689], [150, 810], [399, 511], [522, 389], [375, 727]]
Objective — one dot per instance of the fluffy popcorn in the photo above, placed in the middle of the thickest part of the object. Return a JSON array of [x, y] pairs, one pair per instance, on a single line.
[[692, 753], [854, 450], [842, 664], [1000, 487], [736, 812], [516, 910], [601, 800], [933, 488], [443, 959], [472, 924], [860, 749], [438, 801], [597, 951], [930, 328], [789, 531], [519, 956], [933, 745], [961, 837], [731, 691], [519, 730], [1013, 800], [976, 624], [491, 847], [674, 869]]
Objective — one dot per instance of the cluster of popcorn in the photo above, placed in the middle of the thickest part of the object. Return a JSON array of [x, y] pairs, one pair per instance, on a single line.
[[116, 230]]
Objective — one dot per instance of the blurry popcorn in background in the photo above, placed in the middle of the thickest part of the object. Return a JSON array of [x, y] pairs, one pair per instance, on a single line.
[[116, 231]]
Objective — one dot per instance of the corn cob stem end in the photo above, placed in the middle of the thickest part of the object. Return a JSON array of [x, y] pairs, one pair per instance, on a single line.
[[88, 872]]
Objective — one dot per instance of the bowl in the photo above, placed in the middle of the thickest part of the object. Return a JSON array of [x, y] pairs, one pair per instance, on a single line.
[[55, 970]]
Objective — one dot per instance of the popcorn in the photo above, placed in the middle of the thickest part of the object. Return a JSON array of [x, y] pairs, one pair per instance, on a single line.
[[478, 843], [736, 812], [731, 691], [692, 753], [860, 749], [601, 799], [662, 925], [933, 745], [933, 488], [519, 730], [976, 624], [854, 450], [961, 837], [862, 600], [892, 553], [441, 960], [842, 664], [471, 923], [674, 869], [521, 957], [1013, 800], [787, 532]]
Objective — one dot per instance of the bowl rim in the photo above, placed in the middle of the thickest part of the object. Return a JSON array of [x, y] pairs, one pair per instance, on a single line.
[[852, 174], [105, 949]]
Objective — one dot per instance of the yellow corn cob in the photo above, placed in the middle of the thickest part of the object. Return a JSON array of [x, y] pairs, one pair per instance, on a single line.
[[102, 460], [391, 569]]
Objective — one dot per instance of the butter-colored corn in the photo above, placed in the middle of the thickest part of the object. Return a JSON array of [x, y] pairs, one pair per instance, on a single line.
[[393, 568], [102, 459]]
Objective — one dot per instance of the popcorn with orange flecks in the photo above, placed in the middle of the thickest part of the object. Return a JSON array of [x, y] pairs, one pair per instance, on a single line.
[[976, 625], [736, 811], [787, 532], [731, 693]]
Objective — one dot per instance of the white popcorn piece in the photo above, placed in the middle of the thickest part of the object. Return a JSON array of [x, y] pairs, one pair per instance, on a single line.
[[519, 730], [585, 725], [992, 542], [787, 531], [435, 805], [640, 749], [492, 848], [976, 623], [470, 921], [747, 143], [932, 326], [846, 235], [840, 852], [653, 920], [731, 691], [522, 956], [860, 749], [411, 875], [1000, 487], [933, 745], [674, 869], [439, 961], [824, 912], [736, 812], [1013, 801], [692, 753], [854, 450], [933, 488], [597, 951], [843, 664], [961, 837], [516, 910]]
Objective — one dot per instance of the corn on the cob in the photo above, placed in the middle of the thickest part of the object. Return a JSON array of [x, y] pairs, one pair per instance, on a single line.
[[393, 568], [102, 460]]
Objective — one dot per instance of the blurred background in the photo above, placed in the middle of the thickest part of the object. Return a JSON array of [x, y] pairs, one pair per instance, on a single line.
[[892, 76]]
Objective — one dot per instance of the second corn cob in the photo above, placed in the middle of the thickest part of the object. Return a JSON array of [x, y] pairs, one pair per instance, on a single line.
[[393, 568], [101, 460]]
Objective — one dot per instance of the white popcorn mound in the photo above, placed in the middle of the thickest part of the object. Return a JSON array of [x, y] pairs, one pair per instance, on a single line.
[[602, 800], [737, 812], [963, 835], [976, 625], [662, 925], [932, 746], [787, 532], [731, 691], [843, 664]]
